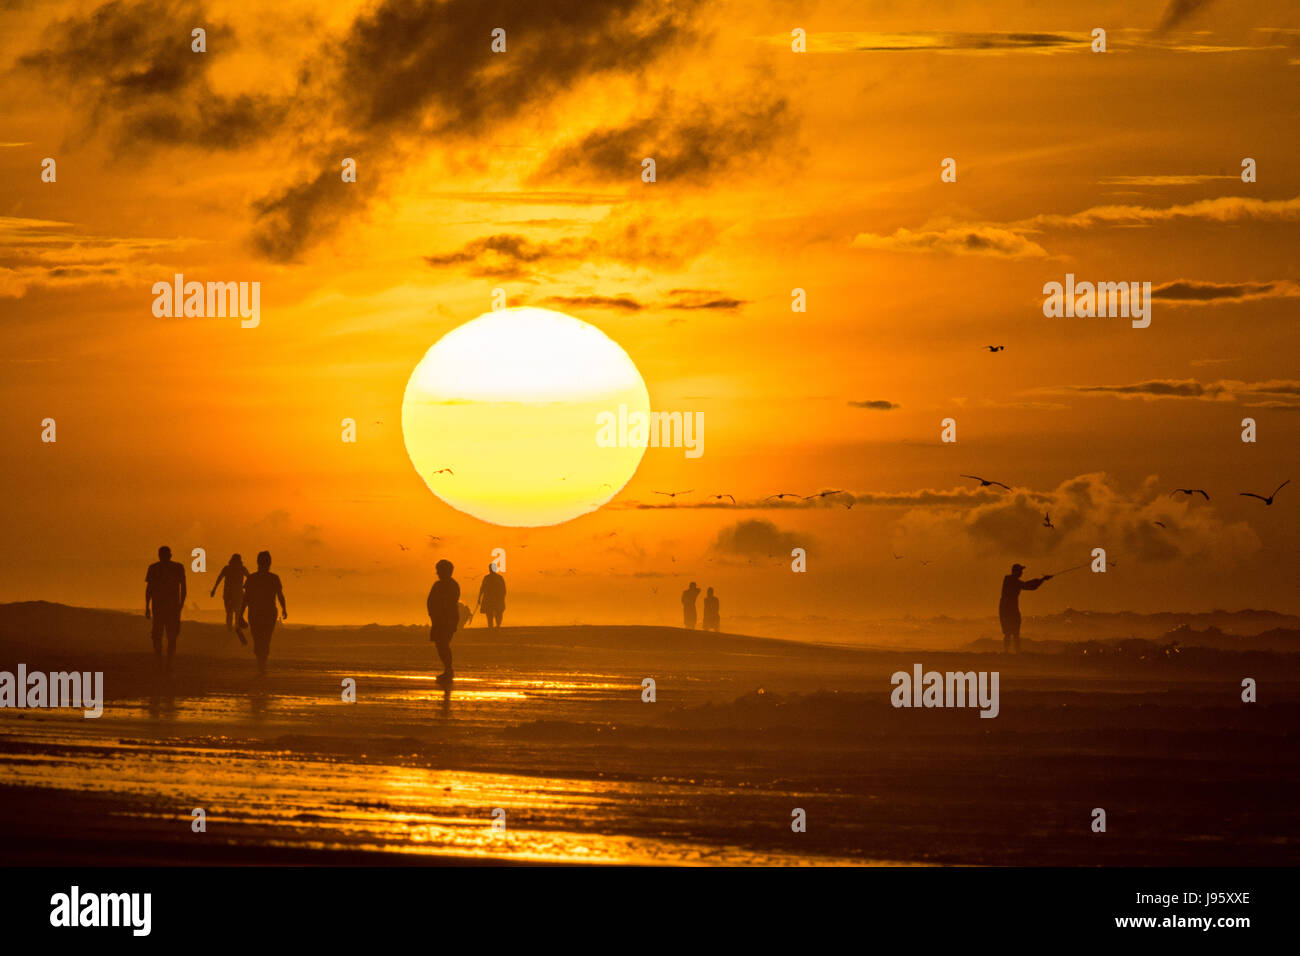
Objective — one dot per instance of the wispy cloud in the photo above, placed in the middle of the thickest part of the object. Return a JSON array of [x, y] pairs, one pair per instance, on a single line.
[[960, 240], [1196, 292], [633, 242], [1276, 392], [1018, 239]]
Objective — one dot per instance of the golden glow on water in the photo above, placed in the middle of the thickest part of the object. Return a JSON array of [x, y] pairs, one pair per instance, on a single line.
[[288, 801]]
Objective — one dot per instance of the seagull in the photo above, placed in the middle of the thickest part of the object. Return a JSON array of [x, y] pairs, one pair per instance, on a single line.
[[447, 470], [822, 494], [404, 547], [1162, 524], [720, 497], [985, 482], [925, 562], [1189, 492], [995, 348], [783, 495], [674, 494], [1047, 520], [1269, 499], [433, 538], [897, 557]]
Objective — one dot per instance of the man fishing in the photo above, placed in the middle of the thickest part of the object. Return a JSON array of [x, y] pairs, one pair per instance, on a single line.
[[1009, 607]]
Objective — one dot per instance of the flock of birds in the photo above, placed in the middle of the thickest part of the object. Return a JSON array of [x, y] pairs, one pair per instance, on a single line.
[[984, 483]]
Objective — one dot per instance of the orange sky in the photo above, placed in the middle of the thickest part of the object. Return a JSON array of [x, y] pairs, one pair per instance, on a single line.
[[775, 170]]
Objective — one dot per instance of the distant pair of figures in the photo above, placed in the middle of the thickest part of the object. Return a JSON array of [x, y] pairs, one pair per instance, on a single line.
[[712, 617]]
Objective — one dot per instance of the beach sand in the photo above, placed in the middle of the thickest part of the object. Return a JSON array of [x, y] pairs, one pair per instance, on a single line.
[[549, 725]]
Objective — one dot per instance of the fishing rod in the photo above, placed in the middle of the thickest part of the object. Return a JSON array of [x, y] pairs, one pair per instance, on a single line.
[[1057, 574]]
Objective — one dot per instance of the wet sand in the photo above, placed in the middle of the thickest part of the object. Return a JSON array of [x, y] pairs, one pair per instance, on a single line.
[[548, 725]]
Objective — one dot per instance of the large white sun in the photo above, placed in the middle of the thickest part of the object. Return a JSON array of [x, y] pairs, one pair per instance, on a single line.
[[500, 417]]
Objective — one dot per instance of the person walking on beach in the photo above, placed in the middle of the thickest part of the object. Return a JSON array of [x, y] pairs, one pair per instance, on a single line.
[[232, 594], [1009, 607], [492, 596], [711, 618], [444, 616], [261, 591], [164, 596], [688, 606]]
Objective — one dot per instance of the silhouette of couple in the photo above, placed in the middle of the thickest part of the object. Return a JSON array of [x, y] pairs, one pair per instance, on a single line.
[[254, 594], [712, 620]]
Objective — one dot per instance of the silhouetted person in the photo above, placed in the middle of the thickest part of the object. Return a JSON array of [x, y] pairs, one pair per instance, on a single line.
[[232, 594], [492, 596], [261, 591], [712, 621], [688, 606], [444, 616], [1009, 607], [164, 596], [466, 615]]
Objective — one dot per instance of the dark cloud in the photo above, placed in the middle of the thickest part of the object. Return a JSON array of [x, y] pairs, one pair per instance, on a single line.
[[1282, 391], [1192, 290], [624, 303], [1177, 12], [402, 60], [634, 242], [689, 299], [406, 71], [880, 405], [1163, 389], [690, 147], [288, 221], [508, 255], [889, 43], [130, 63], [755, 538]]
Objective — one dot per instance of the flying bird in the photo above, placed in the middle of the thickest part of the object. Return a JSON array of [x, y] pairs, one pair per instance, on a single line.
[[897, 557], [1162, 524], [995, 348], [447, 470], [1189, 492], [674, 494], [1047, 520], [1269, 499], [985, 482], [720, 497], [783, 495], [404, 547], [822, 494], [433, 538]]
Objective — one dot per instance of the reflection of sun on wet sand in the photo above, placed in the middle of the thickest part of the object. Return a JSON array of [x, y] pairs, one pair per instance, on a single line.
[[548, 724]]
